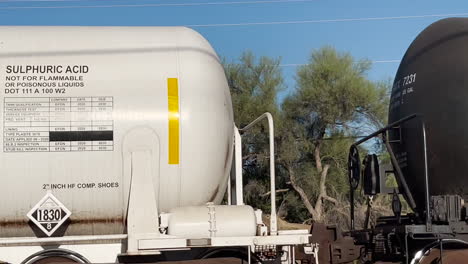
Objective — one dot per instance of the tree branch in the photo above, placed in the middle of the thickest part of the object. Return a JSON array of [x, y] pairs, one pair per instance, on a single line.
[[331, 199], [248, 156], [301, 193], [277, 191], [318, 160]]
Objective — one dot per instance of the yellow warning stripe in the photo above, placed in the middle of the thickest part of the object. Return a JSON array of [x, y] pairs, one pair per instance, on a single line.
[[173, 116]]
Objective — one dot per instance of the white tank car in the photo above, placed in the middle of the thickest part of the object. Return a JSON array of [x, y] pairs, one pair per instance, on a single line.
[[76, 102], [117, 147]]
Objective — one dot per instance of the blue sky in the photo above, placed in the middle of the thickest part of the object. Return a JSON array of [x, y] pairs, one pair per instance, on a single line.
[[377, 40]]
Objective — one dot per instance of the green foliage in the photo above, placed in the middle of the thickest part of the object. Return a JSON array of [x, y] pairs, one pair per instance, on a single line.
[[315, 124], [336, 152], [333, 85], [254, 85], [334, 88]]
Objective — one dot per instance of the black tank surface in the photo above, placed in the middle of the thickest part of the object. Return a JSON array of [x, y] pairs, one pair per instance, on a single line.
[[432, 80]]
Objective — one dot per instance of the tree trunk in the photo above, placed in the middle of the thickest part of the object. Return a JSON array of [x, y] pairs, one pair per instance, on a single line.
[[322, 193], [301, 193], [316, 210], [323, 170]]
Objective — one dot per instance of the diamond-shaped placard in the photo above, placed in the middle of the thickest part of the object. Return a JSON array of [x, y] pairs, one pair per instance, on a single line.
[[49, 214]]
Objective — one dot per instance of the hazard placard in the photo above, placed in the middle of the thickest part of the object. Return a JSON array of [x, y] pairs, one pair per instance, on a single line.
[[49, 214]]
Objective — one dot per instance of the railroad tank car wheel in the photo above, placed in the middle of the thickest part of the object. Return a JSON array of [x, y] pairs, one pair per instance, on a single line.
[[450, 256], [51, 256], [454, 251], [52, 260]]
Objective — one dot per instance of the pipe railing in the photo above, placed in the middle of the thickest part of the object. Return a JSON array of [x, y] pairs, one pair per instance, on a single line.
[[269, 117]]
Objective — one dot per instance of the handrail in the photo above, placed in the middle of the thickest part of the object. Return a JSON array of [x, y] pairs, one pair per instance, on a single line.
[[238, 166], [269, 117], [235, 197], [46, 240]]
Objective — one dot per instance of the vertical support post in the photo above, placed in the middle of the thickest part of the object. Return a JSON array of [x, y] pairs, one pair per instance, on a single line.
[[440, 251], [141, 166], [293, 254], [406, 247], [142, 216], [426, 180], [235, 184], [238, 164], [351, 205], [273, 224], [229, 189], [269, 117]]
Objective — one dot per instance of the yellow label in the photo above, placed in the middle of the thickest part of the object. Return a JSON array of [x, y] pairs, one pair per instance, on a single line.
[[173, 116]]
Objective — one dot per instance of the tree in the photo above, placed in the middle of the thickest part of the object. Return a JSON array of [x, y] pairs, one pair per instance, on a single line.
[[315, 125], [254, 85], [333, 100]]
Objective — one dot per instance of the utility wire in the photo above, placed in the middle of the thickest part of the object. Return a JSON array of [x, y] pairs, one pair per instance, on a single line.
[[328, 20], [40, 1], [386, 61], [302, 64], [104, 1], [143, 5], [241, 2]]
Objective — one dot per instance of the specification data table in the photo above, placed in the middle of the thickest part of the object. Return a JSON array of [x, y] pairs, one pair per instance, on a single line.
[[43, 124]]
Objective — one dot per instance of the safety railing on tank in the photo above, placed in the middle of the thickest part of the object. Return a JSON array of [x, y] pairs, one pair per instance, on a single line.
[[354, 171], [238, 166]]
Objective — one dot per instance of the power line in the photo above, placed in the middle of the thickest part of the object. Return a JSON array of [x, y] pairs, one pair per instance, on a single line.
[[302, 64], [292, 64], [235, 3], [40, 1], [327, 20], [386, 61], [140, 5]]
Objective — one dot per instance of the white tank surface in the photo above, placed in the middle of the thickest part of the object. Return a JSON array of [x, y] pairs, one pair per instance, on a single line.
[[212, 221], [73, 99]]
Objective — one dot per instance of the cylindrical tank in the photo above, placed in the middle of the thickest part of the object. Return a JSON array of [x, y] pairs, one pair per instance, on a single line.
[[212, 221], [432, 80], [73, 99]]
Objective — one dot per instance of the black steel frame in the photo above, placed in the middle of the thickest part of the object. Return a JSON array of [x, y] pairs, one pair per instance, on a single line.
[[397, 170]]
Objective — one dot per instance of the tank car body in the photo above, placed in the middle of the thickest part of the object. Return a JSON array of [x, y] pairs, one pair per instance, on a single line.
[[426, 141], [118, 143], [73, 95], [431, 81]]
